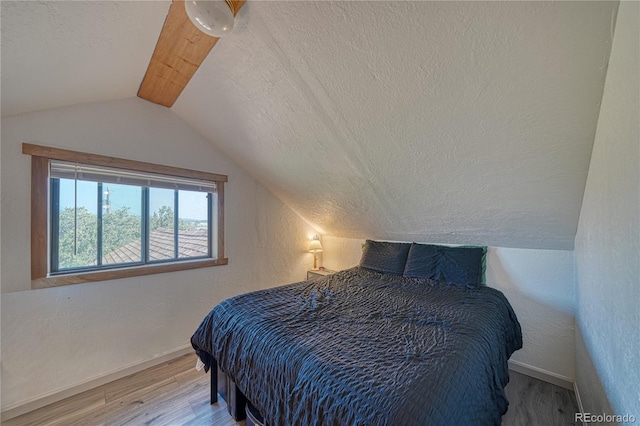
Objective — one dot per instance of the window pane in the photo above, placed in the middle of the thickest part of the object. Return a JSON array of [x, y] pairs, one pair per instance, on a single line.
[[121, 224], [161, 229], [86, 225], [193, 224]]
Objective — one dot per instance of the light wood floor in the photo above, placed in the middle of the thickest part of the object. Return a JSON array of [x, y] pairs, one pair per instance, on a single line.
[[534, 402], [175, 394]]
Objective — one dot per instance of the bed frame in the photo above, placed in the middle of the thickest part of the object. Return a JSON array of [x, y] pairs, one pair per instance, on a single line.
[[222, 384]]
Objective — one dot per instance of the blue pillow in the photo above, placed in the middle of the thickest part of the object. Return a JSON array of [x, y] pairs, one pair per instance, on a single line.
[[422, 261], [460, 265], [383, 257]]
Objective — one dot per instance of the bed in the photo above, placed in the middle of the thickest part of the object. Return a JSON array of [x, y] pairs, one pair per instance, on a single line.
[[390, 342]]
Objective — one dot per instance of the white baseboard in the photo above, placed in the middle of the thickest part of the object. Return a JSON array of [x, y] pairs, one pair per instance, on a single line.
[[23, 407], [541, 374]]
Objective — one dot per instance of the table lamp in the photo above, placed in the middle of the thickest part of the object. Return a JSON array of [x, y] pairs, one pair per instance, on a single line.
[[315, 247]]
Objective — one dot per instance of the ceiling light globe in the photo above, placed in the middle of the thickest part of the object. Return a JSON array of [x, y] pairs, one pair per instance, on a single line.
[[212, 17]]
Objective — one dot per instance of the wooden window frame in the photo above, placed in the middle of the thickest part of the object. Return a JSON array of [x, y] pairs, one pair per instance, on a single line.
[[40, 156]]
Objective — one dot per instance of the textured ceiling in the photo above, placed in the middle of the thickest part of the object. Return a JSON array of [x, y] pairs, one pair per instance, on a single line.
[[454, 122], [60, 53]]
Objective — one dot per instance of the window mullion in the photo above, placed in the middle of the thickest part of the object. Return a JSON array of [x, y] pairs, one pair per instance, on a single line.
[[209, 223], [99, 214], [175, 224], [144, 246]]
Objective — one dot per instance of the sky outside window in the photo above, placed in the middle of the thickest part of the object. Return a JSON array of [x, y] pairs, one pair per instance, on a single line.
[[127, 195]]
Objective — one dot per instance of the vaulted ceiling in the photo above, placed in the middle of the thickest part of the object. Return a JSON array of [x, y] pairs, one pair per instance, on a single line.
[[452, 122]]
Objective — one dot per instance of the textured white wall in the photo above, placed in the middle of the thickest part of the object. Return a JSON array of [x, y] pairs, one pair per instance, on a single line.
[[56, 338], [539, 284], [608, 240]]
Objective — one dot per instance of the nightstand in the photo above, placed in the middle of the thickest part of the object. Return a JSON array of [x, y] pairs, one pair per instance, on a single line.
[[314, 275]]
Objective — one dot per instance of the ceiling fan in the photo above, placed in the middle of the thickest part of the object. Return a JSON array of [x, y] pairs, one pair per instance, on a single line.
[[182, 47]]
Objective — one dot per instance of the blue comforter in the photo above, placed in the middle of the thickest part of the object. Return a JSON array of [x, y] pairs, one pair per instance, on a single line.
[[362, 348]]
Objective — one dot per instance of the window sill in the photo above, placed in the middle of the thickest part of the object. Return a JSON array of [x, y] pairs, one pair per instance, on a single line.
[[114, 274]]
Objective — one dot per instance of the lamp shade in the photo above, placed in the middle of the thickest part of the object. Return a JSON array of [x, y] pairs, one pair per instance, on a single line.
[[212, 17], [314, 245]]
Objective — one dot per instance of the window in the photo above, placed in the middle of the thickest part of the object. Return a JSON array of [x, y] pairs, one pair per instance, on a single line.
[[96, 218]]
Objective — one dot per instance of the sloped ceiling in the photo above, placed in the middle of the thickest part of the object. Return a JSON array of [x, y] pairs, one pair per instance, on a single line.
[[452, 122], [60, 53]]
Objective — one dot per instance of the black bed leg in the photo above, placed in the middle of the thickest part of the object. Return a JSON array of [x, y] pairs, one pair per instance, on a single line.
[[222, 384], [214, 382]]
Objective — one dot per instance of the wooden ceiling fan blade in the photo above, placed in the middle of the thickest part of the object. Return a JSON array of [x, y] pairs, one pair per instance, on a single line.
[[180, 50]]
